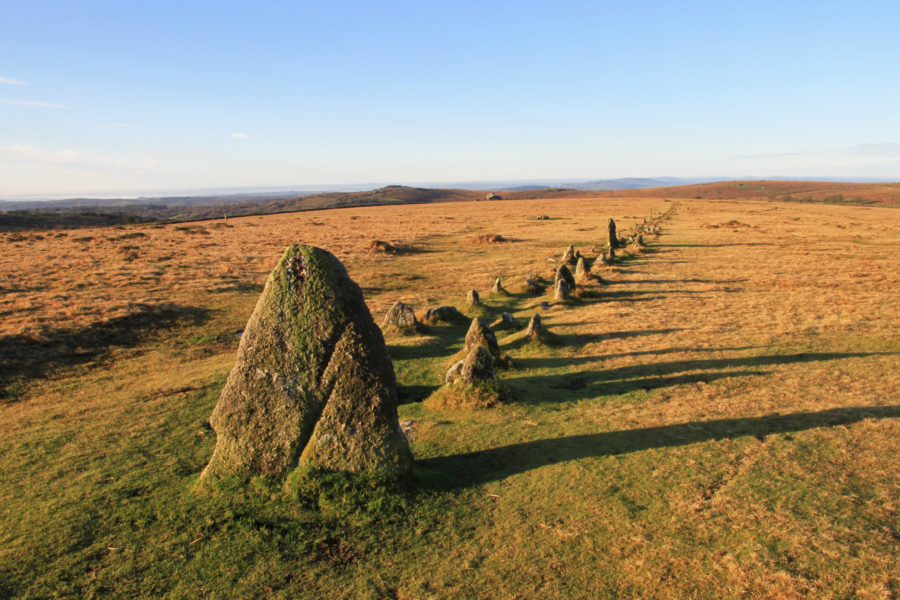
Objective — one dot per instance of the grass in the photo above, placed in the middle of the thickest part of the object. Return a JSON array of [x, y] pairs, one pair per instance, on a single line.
[[720, 421]]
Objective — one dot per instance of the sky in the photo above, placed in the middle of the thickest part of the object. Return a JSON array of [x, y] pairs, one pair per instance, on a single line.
[[149, 97]]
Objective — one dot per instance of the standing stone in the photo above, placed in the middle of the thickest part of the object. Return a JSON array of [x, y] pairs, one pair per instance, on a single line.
[[613, 240], [498, 287], [534, 327], [477, 366], [612, 256], [563, 273], [568, 256], [313, 384], [400, 316], [562, 291], [581, 270], [472, 298], [480, 334]]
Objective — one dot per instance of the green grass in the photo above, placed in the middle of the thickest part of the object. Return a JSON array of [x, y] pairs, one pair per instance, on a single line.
[[721, 469]]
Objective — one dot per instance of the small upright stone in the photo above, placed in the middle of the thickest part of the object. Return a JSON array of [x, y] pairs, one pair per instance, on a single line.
[[568, 256], [562, 291], [534, 327], [313, 384], [612, 239], [581, 270], [401, 317], [480, 334], [472, 298], [498, 287], [563, 273]]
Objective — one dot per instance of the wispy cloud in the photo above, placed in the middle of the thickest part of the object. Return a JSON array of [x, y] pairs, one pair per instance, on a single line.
[[772, 155], [12, 81], [240, 136], [890, 149], [69, 159], [33, 103]]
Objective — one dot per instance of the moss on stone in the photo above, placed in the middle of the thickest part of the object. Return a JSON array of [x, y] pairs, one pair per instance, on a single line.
[[310, 351]]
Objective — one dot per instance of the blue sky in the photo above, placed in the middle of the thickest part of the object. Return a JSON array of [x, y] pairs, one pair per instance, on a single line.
[[127, 97]]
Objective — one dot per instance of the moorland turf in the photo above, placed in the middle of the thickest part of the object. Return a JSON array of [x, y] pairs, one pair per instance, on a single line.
[[721, 419]]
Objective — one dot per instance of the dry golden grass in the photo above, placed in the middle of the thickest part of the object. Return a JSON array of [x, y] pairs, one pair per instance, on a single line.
[[721, 421]]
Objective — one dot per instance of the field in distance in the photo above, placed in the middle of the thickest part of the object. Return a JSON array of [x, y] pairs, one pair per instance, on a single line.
[[721, 419]]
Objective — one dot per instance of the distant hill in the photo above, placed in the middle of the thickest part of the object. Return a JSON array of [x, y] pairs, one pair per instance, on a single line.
[[92, 213]]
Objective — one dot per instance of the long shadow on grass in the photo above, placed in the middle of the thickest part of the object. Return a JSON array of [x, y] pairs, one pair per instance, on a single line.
[[667, 368], [493, 464], [24, 357]]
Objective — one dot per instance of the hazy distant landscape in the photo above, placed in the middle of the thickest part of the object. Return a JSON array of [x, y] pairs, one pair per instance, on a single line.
[[51, 214]]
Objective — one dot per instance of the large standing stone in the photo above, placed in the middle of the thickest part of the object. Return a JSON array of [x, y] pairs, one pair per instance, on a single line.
[[562, 291], [613, 240], [313, 384]]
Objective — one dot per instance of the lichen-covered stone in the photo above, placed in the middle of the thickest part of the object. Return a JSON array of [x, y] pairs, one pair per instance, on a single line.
[[313, 384], [562, 291], [476, 367], [400, 316], [443, 314], [568, 256], [480, 334], [563, 273], [472, 298]]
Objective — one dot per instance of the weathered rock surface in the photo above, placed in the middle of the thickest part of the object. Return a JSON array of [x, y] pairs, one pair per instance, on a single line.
[[563, 273], [612, 239], [472, 298], [444, 314], [313, 384], [535, 329], [562, 291], [480, 334], [400, 316], [476, 367], [581, 269], [568, 256]]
